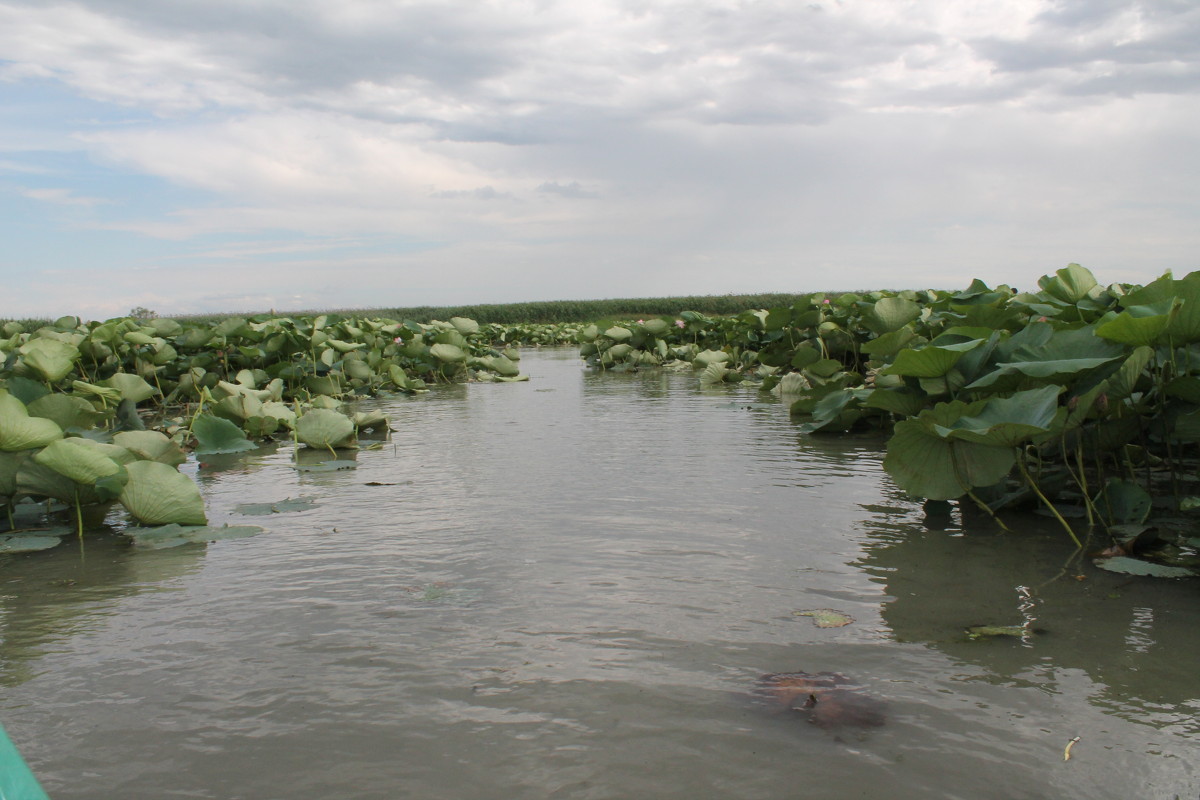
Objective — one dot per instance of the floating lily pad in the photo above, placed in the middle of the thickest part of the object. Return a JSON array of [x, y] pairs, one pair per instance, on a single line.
[[326, 466], [26, 542], [1135, 566], [280, 507], [164, 536], [826, 617]]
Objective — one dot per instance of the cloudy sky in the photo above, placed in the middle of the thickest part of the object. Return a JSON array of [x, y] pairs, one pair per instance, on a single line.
[[221, 155]]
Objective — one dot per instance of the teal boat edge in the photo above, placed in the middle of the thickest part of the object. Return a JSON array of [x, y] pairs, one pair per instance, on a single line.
[[16, 780]]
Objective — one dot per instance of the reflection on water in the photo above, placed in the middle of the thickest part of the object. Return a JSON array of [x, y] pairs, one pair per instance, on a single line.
[[569, 588]]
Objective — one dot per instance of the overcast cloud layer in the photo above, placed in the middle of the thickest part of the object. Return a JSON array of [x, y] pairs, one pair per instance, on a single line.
[[235, 155]]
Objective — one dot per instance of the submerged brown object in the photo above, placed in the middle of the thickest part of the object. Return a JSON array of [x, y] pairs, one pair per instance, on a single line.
[[827, 699]]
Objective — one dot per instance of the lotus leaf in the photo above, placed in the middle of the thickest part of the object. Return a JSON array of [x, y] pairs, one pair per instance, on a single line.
[[1123, 502], [1070, 284], [925, 464], [889, 344], [67, 411], [503, 366], [1006, 421], [345, 347], [280, 507], [106, 394], [131, 387], [371, 420], [1140, 325], [10, 463], [80, 460], [714, 373], [618, 333], [26, 390], [174, 535], [158, 494], [215, 435], [930, 361], [905, 401], [49, 358], [616, 353], [151, 446], [1136, 566], [238, 407], [467, 327], [891, 314], [26, 543], [656, 327], [325, 428], [19, 431], [448, 353], [706, 357]]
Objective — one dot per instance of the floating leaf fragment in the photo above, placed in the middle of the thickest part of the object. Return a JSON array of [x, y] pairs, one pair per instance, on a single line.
[[992, 631], [826, 617], [164, 536], [280, 507], [1135, 566], [326, 466]]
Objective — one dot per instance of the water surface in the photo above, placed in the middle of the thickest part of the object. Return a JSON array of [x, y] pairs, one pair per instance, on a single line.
[[567, 588]]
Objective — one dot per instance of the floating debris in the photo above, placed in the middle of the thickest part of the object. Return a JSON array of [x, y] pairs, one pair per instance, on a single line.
[[826, 617]]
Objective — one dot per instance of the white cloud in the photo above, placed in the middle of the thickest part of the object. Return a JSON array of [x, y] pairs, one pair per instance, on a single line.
[[717, 144]]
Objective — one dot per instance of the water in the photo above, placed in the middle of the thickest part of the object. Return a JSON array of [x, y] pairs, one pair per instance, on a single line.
[[567, 588]]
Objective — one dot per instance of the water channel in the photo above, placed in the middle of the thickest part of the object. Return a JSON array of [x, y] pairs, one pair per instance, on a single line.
[[567, 588]]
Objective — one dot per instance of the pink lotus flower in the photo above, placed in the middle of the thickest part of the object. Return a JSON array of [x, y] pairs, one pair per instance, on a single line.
[[680, 323], [398, 340], [825, 301]]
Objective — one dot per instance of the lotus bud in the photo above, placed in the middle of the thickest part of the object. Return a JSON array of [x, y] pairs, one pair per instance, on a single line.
[[1102, 403]]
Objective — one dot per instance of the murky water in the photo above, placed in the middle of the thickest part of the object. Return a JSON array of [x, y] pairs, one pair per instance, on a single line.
[[567, 588]]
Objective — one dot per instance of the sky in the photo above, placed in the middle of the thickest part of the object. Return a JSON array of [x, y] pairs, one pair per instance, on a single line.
[[200, 156]]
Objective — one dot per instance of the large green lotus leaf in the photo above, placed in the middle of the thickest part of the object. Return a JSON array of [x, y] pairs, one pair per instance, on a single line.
[[1123, 382], [238, 407], [1011, 375], [618, 333], [215, 435], [889, 344], [78, 460], [1123, 502], [324, 427], [131, 387], [37, 480], [151, 446], [706, 357], [931, 361], [280, 411], [502, 366], [465, 326], [158, 494], [891, 314], [1139, 325], [19, 431], [448, 353], [1070, 284], [25, 389], [656, 327], [713, 373], [902, 400], [1007, 421], [166, 536], [924, 464], [10, 463], [50, 358], [67, 411]]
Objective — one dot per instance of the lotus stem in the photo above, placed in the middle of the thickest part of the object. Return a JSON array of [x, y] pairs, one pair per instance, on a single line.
[[1036, 490], [989, 510]]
